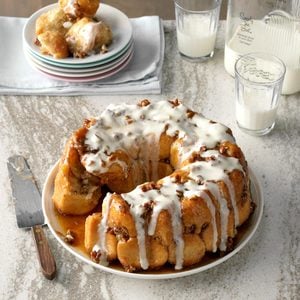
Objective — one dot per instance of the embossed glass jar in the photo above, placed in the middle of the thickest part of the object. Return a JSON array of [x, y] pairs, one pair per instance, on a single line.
[[270, 26]]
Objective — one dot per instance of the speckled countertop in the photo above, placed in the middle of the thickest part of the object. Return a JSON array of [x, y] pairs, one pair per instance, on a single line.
[[267, 268]]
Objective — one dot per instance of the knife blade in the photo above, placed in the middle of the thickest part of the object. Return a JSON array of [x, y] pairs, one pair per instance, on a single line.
[[28, 208]]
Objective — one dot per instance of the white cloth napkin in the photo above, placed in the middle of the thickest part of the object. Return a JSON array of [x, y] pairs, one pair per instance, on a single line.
[[142, 75]]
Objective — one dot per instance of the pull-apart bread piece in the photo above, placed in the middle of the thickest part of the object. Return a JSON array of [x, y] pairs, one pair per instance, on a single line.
[[71, 29], [76, 9], [50, 29], [179, 185], [87, 36]]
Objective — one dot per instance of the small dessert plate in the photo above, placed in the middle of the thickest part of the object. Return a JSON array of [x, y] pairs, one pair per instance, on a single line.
[[84, 72], [82, 78], [79, 68]]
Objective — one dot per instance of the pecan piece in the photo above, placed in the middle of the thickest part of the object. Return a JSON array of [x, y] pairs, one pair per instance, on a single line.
[[179, 193], [144, 103], [129, 269], [121, 233], [179, 179], [95, 256], [128, 119], [190, 113], [69, 238], [223, 149], [150, 186], [175, 102]]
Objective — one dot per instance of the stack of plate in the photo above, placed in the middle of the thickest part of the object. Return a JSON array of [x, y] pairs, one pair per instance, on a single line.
[[92, 67]]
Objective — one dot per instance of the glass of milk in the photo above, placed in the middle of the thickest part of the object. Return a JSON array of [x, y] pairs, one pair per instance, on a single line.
[[196, 26], [258, 84]]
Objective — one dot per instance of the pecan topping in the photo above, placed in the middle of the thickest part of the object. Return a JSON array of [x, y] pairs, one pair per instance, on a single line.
[[199, 181], [223, 149], [150, 186], [128, 119], [69, 238], [95, 256], [113, 157], [213, 158], [230, 244], [175, 102], [148, 207], [203, 148], [129, 269], [195, 157], [179, 179], [179, 193], [190, 113], [121, 233], [144, 103]]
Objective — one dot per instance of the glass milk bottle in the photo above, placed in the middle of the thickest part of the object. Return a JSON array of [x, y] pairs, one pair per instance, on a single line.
[[269, 26]]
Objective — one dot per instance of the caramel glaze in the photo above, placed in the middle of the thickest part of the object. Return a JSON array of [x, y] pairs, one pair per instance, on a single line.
[[76, 225]]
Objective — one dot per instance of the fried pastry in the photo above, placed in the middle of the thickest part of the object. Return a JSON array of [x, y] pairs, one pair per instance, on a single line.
[[53, 20], [54, 44], [76, 9], [87, 36]]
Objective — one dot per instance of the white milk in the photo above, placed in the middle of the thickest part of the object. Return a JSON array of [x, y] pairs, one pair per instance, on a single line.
[[255, 113], [195, 39], [282, 41]]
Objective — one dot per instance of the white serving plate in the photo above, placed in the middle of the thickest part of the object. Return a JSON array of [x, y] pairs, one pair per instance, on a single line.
[[117, 20], [51, 220]]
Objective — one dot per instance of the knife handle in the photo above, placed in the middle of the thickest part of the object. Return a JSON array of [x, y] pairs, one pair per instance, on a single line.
[[46, 258]]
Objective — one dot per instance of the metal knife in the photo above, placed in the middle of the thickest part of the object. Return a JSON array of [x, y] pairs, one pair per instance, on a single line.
[[28, 207]]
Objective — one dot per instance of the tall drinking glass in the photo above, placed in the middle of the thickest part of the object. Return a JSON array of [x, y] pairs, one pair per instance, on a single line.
[[196, 26], [258, 82]]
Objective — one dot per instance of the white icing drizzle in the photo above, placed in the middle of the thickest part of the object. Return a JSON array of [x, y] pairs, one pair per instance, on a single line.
[[231, 190], [226, 167], [102, 229], [212, 210], [89, 33], [126, 126], [224, 213], [167, 198], [175, 212], [137, 212], [87, 36]]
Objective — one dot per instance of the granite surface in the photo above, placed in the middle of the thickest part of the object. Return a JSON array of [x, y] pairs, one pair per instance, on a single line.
[[267, 268]]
